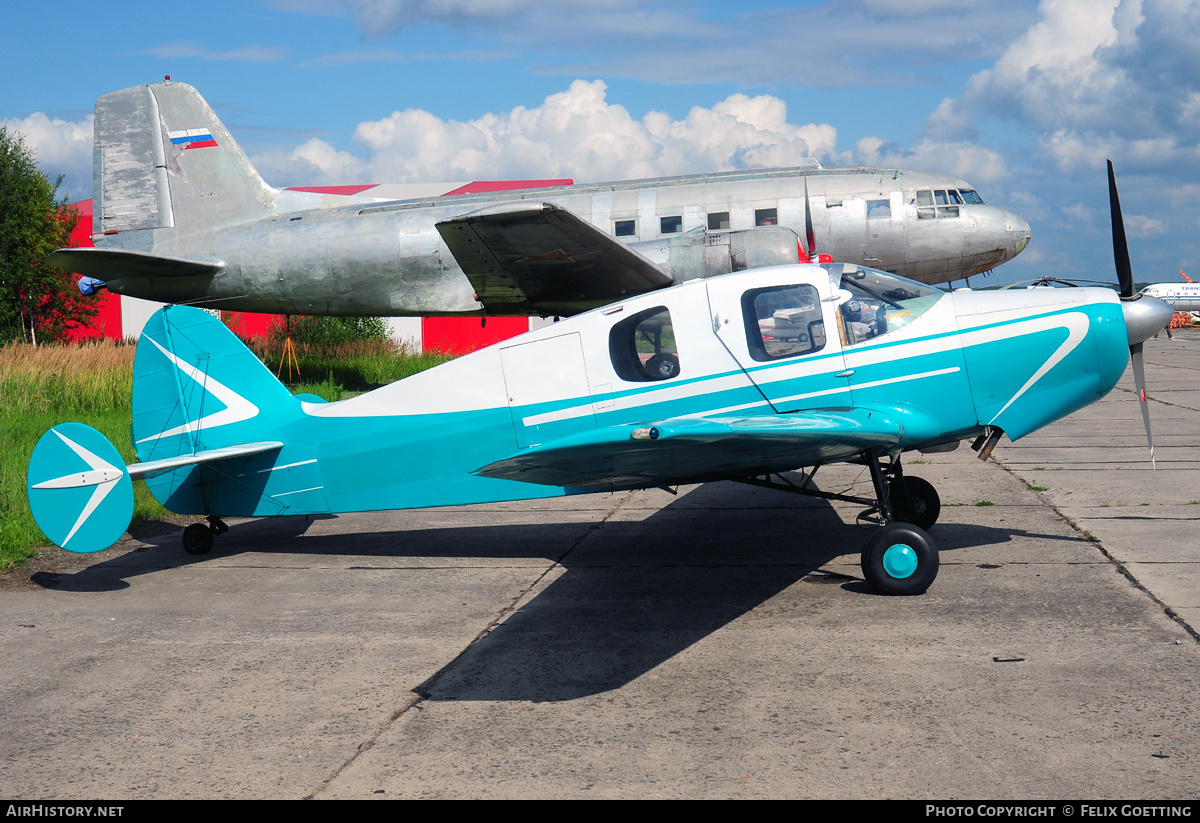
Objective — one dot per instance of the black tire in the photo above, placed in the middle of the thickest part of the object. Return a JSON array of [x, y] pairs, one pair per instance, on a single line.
[[662, 366], [197, 539], [900, 559], [922, 507]]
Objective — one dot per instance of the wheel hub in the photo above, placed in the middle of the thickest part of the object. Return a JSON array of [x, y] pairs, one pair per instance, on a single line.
[[900, 561]]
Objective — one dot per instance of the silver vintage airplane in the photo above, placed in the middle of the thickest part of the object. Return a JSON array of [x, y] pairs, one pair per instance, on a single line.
[[181, 216]]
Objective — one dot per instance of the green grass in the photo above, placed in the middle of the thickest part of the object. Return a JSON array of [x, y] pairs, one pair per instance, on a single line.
[[19, 535], [984, 503], [1037, 488], [42, 387], [348, 367]]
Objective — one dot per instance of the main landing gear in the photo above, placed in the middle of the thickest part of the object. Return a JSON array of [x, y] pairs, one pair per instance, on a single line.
[[900, 558], [198, 537]]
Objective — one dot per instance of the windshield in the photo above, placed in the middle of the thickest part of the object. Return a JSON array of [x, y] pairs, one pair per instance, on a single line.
[[876, 303]]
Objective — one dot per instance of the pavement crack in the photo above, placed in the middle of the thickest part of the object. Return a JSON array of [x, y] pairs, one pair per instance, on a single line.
[[1121, 567], [422, 692], [1149, 396], [365, 746]]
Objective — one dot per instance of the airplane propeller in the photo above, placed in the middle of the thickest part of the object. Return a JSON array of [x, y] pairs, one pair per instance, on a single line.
[[1144, 316], [810, 236]]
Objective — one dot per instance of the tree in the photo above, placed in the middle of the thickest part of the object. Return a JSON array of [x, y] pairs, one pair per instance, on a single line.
[[38, 303]]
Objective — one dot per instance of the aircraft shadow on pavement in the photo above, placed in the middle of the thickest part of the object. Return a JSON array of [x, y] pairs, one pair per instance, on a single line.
[[632, 594]]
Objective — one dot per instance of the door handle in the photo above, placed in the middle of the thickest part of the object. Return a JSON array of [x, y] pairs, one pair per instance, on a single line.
[[845, 373]]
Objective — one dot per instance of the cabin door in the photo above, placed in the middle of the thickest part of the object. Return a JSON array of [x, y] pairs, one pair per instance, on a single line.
[[784, 335]]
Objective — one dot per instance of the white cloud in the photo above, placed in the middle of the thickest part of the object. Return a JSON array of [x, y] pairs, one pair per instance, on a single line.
[[61, 147], [970, 161], [575, 133], [1139, 225], [1078, 213], [860, 41], [1055, 72], [1096, 79], [382, 16], [313, 163]]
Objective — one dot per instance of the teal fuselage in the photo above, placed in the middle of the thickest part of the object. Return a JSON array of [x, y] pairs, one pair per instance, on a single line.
[[560, 409]]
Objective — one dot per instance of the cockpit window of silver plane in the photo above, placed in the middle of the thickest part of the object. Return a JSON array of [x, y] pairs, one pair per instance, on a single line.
[[879, 303], [933, 203]]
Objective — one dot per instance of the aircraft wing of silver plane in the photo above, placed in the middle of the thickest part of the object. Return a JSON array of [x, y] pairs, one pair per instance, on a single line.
[[182, 216]]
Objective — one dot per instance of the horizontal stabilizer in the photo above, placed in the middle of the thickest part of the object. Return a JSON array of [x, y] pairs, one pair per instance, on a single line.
[[79, 492], [535, 258], [695, 449], [138, 471], [113, 264]]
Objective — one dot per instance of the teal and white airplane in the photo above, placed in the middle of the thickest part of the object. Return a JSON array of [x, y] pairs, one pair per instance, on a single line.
[[738, 377]]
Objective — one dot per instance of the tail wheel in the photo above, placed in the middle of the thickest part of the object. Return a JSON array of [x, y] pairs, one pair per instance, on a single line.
[[917, 503], [197, 539], [900, 559]]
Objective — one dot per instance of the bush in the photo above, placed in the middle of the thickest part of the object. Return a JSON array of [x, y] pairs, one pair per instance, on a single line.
[[331, 331]]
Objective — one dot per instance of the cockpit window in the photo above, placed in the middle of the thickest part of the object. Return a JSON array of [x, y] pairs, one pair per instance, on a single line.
[[784, 321], [642, 347], [946, 201], [878, 303], [971, 196]]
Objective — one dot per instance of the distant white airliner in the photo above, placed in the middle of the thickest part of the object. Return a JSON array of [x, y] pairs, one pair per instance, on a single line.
[[1180, 296]]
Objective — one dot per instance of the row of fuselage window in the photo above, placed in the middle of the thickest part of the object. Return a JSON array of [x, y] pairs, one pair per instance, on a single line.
[[717, 221], [931, 203]]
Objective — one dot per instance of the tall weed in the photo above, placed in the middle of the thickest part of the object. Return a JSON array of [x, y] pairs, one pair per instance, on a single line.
[[43, 386]]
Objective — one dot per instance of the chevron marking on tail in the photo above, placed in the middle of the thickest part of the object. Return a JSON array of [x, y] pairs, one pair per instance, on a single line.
[[237, 408], [103, 476]]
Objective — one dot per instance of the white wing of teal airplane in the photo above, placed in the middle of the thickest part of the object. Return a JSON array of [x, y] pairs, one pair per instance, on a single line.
[[181, 216], [736, 377]]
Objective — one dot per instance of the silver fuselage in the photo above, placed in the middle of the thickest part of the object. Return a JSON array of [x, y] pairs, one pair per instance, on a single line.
[[331, 254]]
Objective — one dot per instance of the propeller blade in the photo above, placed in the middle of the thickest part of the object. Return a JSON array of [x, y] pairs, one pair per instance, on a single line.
[[809, 235], [1120, 245], [1139, 380]]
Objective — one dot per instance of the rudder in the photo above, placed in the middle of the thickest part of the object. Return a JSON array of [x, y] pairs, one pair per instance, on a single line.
[[197, 387], [159, 150]]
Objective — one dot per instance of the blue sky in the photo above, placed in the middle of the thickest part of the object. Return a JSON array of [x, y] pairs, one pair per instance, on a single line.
[[1024, 99]]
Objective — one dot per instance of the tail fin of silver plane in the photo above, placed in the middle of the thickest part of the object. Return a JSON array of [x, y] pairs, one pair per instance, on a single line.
[[164, 160]]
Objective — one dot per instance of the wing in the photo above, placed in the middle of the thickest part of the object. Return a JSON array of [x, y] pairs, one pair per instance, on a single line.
[[111, 264], [692, 450], [535, 258]]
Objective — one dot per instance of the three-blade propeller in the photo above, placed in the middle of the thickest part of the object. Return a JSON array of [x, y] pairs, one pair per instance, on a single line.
[[1144, 316]]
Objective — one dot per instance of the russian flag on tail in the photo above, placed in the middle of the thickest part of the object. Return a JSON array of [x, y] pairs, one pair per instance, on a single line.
[[192, 138]]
